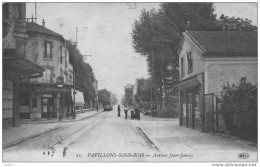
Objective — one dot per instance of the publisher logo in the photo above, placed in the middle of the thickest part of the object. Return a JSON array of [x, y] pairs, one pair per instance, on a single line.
[[243, 155]]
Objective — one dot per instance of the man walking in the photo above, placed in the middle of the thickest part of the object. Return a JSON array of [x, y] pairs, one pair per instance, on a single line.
[[118, 110]]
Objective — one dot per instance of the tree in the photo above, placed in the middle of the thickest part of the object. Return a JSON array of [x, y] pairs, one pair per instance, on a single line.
[[143, 93], [84, 74], [235, 24], [239, 108], [103, 95], [156, 34]]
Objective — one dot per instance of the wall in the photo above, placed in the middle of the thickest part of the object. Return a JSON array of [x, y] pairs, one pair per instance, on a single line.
[[198, 62], [35, 52], [222, 71]]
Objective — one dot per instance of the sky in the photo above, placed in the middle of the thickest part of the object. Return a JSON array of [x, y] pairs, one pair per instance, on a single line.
[[104, 33]]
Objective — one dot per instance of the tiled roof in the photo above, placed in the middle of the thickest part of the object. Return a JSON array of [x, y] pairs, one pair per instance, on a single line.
[[34, 27], [225, 41]]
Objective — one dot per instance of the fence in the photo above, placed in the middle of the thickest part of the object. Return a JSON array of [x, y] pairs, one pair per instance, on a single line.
[[214, 119]]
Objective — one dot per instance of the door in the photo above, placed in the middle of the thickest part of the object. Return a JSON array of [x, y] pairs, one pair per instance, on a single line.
[[190, 110], [48, 108]]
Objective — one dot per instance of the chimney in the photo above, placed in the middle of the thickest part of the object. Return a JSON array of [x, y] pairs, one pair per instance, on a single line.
[[43, 23]]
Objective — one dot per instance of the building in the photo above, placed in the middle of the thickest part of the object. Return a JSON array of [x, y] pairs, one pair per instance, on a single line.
[[128, 94], [16, 66], [207, 61], [135, 87], [51, 95]]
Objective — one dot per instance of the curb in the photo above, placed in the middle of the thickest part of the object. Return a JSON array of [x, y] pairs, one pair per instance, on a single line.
[[27, 138], [57, 121], [150, 138]]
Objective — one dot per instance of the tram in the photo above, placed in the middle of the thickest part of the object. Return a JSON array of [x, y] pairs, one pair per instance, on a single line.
[[107, 105]]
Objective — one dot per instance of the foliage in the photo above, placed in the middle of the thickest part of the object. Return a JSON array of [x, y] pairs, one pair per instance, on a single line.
[[239, 107], [84, 74], [143, 93], [235, 24], [103, 95]]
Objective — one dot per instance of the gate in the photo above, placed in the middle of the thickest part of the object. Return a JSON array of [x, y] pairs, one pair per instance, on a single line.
[[213, 118], [209, 112]]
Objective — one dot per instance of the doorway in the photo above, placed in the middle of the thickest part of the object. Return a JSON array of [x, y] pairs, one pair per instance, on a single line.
[[48, 106]]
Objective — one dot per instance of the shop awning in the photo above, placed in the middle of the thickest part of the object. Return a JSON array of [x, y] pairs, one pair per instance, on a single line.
[[25, 67], [79, 98], [190, 82]]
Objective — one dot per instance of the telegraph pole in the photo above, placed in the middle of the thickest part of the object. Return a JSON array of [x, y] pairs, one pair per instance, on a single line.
[[151, 81], [35, 12]]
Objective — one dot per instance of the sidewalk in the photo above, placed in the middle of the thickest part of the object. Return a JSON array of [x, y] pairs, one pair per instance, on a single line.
[[27, 130], [169, 137]]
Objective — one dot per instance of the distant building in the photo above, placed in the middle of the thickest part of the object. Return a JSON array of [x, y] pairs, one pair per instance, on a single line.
[[16, 66], [207, 61], [135, 87], [128, 94]]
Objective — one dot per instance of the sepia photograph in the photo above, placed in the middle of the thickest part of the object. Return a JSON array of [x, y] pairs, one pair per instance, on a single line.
[[127, 82]]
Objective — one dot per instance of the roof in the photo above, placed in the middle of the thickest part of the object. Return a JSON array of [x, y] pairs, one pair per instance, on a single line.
[[228, 42], [34, 27]]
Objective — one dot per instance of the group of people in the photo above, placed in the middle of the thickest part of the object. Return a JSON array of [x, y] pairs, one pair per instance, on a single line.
[[135, 114]]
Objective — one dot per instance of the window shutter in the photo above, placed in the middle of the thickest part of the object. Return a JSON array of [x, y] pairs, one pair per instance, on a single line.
[[51, 50], [45, 49]]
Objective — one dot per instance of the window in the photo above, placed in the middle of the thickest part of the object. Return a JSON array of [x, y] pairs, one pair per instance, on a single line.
[[60, 54], [190, 62], [66, 59], [48, 50], [47, 75], [182, 66]]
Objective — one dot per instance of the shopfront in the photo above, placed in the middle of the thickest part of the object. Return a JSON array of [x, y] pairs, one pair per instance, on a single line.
[[191, 103], [46, 101], [15, 69]]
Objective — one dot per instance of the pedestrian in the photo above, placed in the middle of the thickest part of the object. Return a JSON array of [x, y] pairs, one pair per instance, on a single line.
[[137, 113], [126, 109], [97, 107], [118, 110], [132, 114]]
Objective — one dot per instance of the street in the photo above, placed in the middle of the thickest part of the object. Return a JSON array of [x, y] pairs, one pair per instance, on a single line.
[[104, 137], [102, 133]]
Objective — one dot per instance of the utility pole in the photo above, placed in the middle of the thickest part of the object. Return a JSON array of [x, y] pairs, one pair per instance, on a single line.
[[35, 12], [151, 81], [74, 76]]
